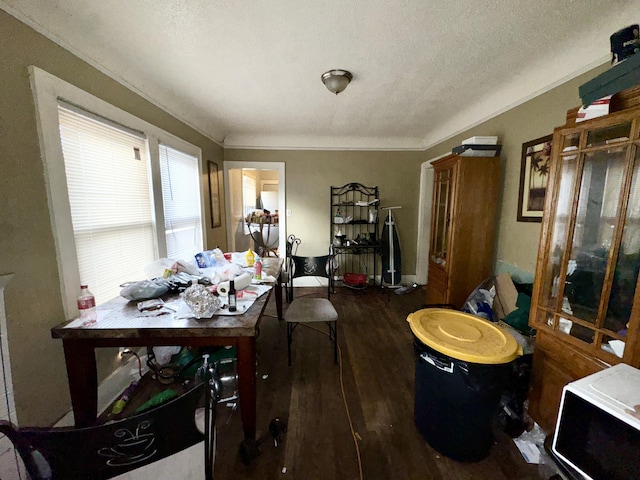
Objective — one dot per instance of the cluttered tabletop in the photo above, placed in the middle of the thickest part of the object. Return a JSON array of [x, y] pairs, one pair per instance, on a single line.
[[187, 298]]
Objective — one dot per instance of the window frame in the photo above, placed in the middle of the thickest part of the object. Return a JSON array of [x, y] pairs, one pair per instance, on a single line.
[[47, 91]]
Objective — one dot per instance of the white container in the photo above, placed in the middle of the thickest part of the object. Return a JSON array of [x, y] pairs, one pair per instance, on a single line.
[[241, 282], [480, 141], [478, 153]]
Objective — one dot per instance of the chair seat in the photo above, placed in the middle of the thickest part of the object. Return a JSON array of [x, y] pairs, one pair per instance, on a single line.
[[307, 310]]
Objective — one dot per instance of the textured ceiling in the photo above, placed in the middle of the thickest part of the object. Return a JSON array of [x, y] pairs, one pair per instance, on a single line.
[[247, 74]]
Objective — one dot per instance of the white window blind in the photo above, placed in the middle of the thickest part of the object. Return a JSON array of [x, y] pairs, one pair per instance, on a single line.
[[181, 199], [107, 171]]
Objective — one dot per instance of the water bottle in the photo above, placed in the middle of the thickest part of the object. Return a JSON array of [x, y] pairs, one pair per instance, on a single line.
[[87, 305], [258, 274]]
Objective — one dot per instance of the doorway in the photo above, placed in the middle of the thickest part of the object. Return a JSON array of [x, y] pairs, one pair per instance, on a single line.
[[253, 186]]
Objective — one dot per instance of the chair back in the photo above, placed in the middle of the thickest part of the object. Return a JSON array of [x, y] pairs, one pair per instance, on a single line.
[[300, 266], [108, 450]]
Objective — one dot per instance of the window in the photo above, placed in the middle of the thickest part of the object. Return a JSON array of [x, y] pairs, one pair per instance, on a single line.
[[122, 193], [181, 200], [111, 210], [249, 194], [111, 201]]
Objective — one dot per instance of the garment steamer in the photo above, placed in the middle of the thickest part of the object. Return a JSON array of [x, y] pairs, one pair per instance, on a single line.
[[391, 275]]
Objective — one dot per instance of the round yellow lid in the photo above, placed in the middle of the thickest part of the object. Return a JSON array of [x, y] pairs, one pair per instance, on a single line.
[[463, 336]]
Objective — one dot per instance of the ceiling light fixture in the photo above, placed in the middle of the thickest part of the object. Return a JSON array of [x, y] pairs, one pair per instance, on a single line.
[[336, 80]]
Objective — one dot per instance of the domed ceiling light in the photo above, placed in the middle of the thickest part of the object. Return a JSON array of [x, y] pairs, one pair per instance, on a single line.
[[336, 80]]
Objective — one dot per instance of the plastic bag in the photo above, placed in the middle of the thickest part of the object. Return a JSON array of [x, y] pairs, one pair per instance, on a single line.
[[211, 258], [143, 290], [480, 302]]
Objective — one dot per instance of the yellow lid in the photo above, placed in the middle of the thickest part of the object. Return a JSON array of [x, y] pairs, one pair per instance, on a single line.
[[463, 336]]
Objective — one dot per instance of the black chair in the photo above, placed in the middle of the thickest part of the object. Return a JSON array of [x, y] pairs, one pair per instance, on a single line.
[[108, 450], [292, 249], [308, 309]]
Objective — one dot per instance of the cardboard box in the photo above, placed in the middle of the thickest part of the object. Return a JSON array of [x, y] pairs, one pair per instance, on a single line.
[[506, 296]]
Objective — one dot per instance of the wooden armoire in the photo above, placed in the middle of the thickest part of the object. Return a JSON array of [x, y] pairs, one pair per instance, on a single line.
[[463, 225]]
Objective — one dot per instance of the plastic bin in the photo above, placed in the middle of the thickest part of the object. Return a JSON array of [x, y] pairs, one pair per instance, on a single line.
[[462, 366]]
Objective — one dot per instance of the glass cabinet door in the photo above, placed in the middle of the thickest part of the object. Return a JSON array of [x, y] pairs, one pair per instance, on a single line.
[[592, 260], [441, 216]]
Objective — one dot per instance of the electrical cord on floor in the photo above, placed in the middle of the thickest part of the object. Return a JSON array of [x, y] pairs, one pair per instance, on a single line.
[[354, 434], [128, 351]]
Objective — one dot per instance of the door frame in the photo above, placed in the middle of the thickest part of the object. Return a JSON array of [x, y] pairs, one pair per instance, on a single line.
[[424, 220], [282, 223]]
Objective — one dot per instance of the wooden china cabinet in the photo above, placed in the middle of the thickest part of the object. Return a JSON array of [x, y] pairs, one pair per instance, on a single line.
[[463, 222], [586, 300]]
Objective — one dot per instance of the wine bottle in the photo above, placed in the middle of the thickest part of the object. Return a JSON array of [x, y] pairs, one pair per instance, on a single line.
[[232, 296]]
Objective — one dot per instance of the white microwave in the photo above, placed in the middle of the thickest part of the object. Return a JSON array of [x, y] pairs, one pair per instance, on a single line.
[[595, 433]]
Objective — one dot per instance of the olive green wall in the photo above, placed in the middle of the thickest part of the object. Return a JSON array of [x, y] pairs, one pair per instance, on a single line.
[[310, 174], [33, 297], [517, 242]]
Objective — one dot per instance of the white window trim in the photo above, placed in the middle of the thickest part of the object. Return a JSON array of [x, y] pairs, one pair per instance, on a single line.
[[47, 90]]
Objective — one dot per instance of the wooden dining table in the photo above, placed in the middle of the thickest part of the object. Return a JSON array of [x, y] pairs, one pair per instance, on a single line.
[[120, 324]]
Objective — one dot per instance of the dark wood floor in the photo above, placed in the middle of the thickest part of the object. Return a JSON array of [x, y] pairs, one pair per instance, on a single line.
[[378, 376]]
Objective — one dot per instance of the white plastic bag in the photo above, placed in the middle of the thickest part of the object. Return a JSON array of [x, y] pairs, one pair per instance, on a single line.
[[143, 290]]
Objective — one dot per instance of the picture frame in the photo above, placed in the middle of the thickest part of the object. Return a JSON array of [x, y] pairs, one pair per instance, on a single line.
[[214, 194], [534, 174]]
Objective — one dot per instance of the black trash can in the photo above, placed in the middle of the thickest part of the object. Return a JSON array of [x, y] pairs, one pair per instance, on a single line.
[[462, 366]]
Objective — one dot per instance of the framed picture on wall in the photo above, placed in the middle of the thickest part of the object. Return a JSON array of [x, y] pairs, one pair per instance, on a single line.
[[214, 194], [534, 173]]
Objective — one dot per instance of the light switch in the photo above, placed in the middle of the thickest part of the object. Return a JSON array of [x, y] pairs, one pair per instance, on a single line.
[[288, 212]]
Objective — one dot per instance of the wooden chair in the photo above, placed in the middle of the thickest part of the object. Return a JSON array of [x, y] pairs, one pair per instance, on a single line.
[[105, 451], [308, 309]]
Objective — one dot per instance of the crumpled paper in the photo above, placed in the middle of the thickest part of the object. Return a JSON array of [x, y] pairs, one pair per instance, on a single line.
[[201, 301]]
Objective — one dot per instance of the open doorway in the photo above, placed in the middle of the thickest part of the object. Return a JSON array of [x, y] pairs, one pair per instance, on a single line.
[[424, 222], [255, 187]]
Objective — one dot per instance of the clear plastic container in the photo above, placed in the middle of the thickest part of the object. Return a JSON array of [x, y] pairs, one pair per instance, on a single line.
[[87, 305]]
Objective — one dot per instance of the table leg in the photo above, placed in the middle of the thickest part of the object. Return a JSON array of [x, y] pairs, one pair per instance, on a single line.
[[278, 288], [83, 381], [247, 385]]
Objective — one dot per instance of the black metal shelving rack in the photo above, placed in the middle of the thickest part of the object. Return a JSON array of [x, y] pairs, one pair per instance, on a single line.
[[354, 232]]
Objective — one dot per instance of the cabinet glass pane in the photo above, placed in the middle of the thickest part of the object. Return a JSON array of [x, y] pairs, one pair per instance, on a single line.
[[585, 334], [439, 252], [625, 276], [596, 217], [570, 142], [559, 233], [609, 135]]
